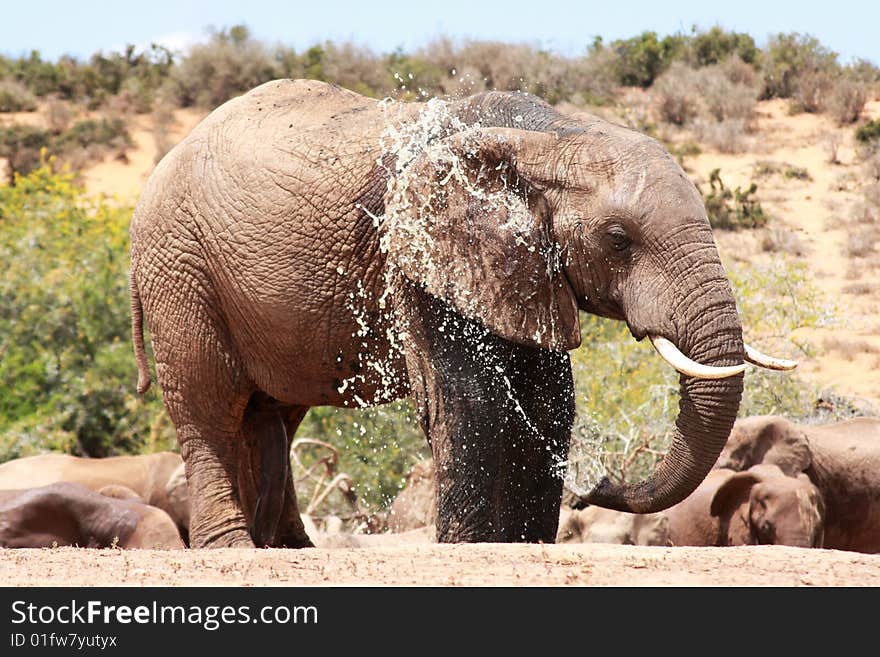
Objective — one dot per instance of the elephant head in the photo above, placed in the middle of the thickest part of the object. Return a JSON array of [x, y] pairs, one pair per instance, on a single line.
[[521, 217], [767, 439], [764, 506]]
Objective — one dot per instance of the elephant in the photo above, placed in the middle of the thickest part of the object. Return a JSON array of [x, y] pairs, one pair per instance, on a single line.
[[842, 460], [156, 479], [758, 506], [306, 245], [594, 524], [64, 513]]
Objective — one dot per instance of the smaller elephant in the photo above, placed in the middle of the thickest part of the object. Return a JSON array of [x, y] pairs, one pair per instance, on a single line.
[[158, 479], [597, 525], [841, 459], [758, 506], [67, 514]]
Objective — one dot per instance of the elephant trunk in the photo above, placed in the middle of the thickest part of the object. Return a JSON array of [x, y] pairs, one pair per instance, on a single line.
[[710, 334]]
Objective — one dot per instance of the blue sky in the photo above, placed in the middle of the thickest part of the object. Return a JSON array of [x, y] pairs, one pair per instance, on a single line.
[[81, 27]]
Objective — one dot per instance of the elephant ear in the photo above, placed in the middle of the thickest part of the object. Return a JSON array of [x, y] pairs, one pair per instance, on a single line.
[[733, 493], [466, 220], [766, 439]]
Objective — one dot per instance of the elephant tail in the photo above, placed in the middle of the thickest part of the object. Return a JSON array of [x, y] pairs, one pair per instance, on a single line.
[[137, 338]]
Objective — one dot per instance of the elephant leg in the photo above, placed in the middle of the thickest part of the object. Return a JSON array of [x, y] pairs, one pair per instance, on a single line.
[[265, 479], [206, 395], [498, 417], [291, 532], [264, 467]]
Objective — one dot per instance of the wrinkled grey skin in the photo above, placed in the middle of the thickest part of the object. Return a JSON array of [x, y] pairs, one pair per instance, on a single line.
[[65, 513], [254, 234], [758, 506], [841, 459]]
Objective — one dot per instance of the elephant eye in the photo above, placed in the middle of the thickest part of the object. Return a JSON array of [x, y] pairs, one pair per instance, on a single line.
[[618, 238]]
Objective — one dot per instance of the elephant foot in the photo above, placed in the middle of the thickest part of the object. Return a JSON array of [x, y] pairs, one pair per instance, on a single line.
[[296, 543], [236, 538]]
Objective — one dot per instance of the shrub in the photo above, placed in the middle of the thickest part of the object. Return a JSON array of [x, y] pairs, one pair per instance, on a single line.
[[677, 93], [732, 209], [59, 114], [716, 45], [67, 372], [869, 132], [230, 64], [811, 92], [24, 145], [848, 99], [15, 97], [641, 59], [719, 109], [787, 58], [728, 136], [725, 98]]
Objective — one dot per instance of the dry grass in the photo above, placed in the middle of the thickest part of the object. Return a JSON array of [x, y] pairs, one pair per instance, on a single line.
[[766, 168], [730, 136], [832, 142], [782, 240], [862, 243], [849, 349], [862, 288]]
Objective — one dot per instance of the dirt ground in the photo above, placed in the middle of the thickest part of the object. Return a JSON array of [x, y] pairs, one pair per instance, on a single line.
[[444, 565]]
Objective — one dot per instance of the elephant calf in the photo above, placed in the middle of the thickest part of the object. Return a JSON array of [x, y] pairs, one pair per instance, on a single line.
[[63, 514], [841, 459], [158, 479], [761, 505]]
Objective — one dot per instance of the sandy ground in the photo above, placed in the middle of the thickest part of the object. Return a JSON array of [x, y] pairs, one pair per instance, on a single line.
[[444, 565], [811, 221]]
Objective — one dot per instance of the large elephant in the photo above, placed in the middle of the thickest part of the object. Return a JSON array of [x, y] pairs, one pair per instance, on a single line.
[[158, 479], [842, 460], [758, 506], [64, 513], [306, 245]]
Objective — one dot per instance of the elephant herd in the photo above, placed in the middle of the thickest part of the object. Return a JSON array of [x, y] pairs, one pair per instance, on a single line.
[[122, 501], [775, 483]]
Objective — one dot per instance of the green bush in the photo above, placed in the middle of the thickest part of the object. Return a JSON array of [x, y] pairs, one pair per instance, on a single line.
[[24, 145], [15, 97], [641, 59], [788, 58], [231, 63], [869, 132], [377, 446], [67, 374], [732, 209], [716, 45]]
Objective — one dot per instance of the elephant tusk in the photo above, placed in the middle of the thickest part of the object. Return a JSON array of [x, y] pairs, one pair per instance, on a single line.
[[755, 357], [670, 353]]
